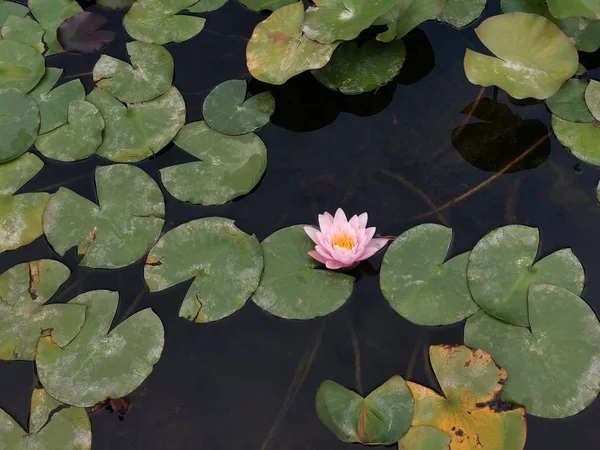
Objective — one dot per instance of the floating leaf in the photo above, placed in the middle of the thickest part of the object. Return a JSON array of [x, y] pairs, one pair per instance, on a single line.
[[19, 123], [501, 271], [418, 282], [226, 111], [98, 364], [116, 233], [569, 103], [406, 15], [554, 368], [592, 98], [76, 140], [534, 57], [460, 13], [20, 215], [354, 70], [54, 103], [52, 425], [138, 131], [9, 8], [24, 317], [291, 286], [157, 22], [115, 4], [230, 166], [50, 14], [424, 438], [207, 6], [81, 33], [581, 138], [21, 66], [24, 30], [224, 262], [561, 9], [381, 418], [265, 5], [278, 50], [149, 76]]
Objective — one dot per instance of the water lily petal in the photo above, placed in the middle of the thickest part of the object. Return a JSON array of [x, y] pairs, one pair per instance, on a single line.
[[354, 223], [334, 265], [312, 233], [323, 251], [325, 222], [340, 218], [369, 233], [316, 255], [363, 219]]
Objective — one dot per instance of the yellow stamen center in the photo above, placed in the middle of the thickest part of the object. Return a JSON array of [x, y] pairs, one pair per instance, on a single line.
[[344, 240]]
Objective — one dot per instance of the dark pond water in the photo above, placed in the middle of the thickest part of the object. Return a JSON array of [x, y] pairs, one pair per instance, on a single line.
[[248, 382]]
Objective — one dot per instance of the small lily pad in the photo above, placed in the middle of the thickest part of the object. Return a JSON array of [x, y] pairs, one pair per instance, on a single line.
[[278, 50], [76, 140], [226, 111], [230, 166], [501, 271], [592, 98], [425, 438], [569, 102], [520, 68], [418, 282], [581, 138], [24, 317], [21, 66], [207, 6], [381, 418], [9, 8], [460, 13], [98, 364], [292, 287], [354, 69], [19, 123], [138, 131], [157, 21], [470, 412], [82, 33], [119, 230], [561, 9], [24, 30], [150, 74], [554, 368], [52, 425], [224, 262], [50, 14], [406, 15]]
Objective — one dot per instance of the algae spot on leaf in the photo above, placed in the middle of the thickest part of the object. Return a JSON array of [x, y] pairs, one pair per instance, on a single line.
[[19, 123], [50, 14], [81, 33]]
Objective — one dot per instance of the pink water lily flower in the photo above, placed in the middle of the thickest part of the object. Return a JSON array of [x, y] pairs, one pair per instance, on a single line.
[[343, 243]]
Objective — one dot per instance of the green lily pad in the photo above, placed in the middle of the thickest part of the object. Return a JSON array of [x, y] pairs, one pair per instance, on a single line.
[[418, 282], [98, 364], [206, 6], [381, 418], [292, 287], [157, 21], [406, 15], [19, 123], [460, 13], [562, 9], [76, 140], [21, 66], [54, 103], [278, 50], [115, 4], [24, 30], [581, 138], [354, 70], [50, 14], [226, 111], [149, 75], [66, 428], [138, 131], [592, 98], [470, 412], [119, 230], [230, 166], [342, 20], [425, 438], [501, 271], [9, 8], [224, 262], [24, 317], [20, 215], [521, 68], [569, 103], [266, 5], [554, 368]]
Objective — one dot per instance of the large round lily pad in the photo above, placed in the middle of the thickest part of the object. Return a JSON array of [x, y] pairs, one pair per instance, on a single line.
[[52, 426], [278, 50], [24, 317], [9, 8], [470, 412], [292, 287], [229, 166], [21, 66], [425, 438], [583, 139], [561, 9], [501, 271], [140, 130], [50, 14], [99, 364], [554, 368], [149, 75], [118, 231], [381, 418], [19, 123], [460, 13], [534, 57], [569, 103], [158, 21], [406, 15], [418, 282], [224, 262], [354, 69], [226, 111], [24, 30]]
